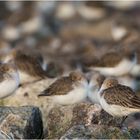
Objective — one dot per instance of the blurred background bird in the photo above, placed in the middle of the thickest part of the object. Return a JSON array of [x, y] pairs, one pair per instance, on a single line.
[[9, 79]]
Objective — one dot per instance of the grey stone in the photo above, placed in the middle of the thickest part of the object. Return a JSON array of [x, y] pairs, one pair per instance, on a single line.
[[100, 132], [20, 123]]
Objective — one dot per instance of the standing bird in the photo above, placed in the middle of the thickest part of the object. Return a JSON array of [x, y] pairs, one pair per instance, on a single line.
[[68, 90], [9, 79], [118, 100]]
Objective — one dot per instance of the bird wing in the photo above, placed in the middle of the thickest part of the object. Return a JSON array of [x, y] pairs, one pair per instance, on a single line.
[[121, 95], [29, 64], [59, 87], [110, 59]]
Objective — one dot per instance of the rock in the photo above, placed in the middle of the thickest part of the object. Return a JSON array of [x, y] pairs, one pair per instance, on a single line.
[[26, 95], [57, 120], [20, 123], [99, 132], [61, 119]]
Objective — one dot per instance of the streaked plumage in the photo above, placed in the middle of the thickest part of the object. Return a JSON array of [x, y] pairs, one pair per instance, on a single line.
[[29, 67], [65, 85], [114, 63], [67, 90], [118, 100], [122, 95]]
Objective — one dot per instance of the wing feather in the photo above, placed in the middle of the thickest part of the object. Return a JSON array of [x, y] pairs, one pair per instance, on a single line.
[[65, 85], [122, 95], [26, 62]]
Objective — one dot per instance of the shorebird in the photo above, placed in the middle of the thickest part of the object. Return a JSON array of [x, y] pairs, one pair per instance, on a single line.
[[114, 63], [118, 100], [67, 90], [9, 79], [29, 67]]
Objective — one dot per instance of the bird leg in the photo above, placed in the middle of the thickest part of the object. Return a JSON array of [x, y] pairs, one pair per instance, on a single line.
[[121, 124]]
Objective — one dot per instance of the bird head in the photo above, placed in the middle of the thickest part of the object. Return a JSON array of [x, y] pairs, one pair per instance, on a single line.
[[109, 82]]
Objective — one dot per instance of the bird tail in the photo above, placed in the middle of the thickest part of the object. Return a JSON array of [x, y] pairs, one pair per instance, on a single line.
[[43, 94]]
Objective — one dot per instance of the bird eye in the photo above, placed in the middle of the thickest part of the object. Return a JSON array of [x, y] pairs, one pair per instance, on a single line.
[[109, 84]]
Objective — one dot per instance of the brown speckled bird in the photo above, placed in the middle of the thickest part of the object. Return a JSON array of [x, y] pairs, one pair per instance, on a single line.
[[118, 100], [68, 90], [114, 63], [29, 67]]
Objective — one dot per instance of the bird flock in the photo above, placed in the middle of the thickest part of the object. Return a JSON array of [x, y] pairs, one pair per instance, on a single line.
[[103, 73], [99, 83]]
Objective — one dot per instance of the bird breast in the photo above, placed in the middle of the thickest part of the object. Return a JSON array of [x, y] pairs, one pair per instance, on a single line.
[[75, 96], [93, 94], [7, 87], [116, 110], [122, 68]]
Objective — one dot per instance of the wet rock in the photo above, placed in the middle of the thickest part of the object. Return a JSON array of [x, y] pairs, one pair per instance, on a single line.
[[103, 118], [61, 118], [20, 123], [99, 132]]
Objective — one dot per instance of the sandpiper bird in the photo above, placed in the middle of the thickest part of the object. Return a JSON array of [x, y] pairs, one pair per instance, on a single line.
[[95, 82], [9, 79], [28, 67], [114, 63], [68, 90], [118, 100]]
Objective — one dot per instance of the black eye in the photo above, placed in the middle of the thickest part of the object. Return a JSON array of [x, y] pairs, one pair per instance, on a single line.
[[109, 84]]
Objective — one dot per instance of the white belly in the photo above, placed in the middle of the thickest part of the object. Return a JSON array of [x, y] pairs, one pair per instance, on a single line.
[[93, 95], [116, 110], [136, 70], [8, 87], [75, 96], [122, 68]]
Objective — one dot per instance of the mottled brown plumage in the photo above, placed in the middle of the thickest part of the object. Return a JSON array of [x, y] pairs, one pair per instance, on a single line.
[[111, 59], [63, 85], [4, 70], [29, 64], [121, 95], [60, 87]]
